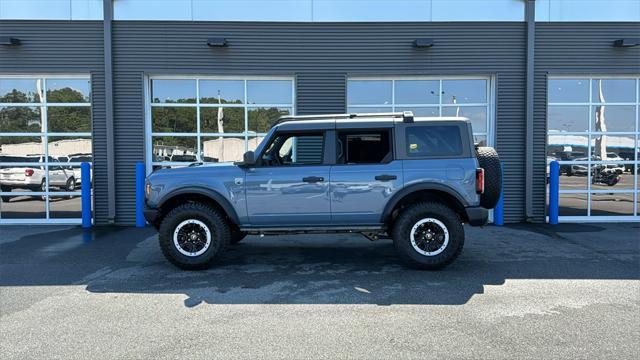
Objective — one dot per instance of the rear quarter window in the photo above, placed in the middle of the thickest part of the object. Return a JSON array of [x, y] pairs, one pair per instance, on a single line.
[[433, 140]]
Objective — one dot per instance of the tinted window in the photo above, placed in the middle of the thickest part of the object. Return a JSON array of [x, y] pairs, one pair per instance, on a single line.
[[363, 147], [433, 140], [289, 149]]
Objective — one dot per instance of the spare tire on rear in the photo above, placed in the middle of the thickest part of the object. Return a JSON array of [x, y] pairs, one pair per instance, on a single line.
[[489, 160]]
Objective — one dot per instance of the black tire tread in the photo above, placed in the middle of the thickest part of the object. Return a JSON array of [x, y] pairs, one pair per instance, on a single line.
[[489, 160], [405, 221], [218, 225]]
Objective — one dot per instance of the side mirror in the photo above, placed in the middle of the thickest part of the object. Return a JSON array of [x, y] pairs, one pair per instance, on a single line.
[[248, 159]]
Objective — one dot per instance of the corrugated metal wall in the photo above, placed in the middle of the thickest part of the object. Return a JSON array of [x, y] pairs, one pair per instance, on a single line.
[[568, 49], [320, 56], [51, 47]]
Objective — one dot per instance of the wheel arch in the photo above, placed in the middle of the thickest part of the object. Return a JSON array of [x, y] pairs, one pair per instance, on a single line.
[[423, 192], [197, 194]]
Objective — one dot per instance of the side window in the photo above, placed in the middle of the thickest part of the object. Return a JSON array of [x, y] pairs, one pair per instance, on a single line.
[[433, 140], [294, 149], [364, 147]]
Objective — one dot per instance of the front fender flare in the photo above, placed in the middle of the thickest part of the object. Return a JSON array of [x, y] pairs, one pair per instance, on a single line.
[[211, 194]]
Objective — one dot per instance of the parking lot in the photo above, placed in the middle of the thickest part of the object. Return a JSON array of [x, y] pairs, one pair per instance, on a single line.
[[534, 291]]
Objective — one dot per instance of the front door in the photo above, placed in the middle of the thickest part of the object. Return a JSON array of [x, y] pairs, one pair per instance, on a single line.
[[290, 183]]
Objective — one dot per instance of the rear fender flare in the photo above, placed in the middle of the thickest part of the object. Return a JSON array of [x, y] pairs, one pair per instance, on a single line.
[[386, 214]]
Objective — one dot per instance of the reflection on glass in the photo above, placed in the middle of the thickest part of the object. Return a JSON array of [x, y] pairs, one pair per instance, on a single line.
[[22, 207], [480, 140], [464, 91], [568, 118], [21, 148], [369, 92], [614, 118], [612, 146], [173, 91], [576, 180], [68, 91], [420, 111], [366, 110], [20, 90], [610, 176], [269, 92], [261, 119], [62, 177], [253, 142], [417, 92], [613, 90], [573, 205], [222, 91], [568, 90], [20, 119], [173, 119], [69, 119], [619, 204], [232, 120], [70, 148], [219, 149], [23, 177], [65, 207], [174, 148], [477, 115]]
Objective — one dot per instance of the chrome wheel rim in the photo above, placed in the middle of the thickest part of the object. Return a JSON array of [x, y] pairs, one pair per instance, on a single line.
[[192, 237], [429, 237]]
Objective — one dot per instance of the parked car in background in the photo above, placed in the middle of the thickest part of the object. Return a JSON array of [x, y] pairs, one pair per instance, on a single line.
[[79, 158], [24, 176], [183, 158]]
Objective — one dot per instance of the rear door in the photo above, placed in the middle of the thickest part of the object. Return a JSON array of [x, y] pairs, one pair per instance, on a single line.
[[366, 174]]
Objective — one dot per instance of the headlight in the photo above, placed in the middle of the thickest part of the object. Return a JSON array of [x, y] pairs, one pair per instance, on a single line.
[[147, 189]]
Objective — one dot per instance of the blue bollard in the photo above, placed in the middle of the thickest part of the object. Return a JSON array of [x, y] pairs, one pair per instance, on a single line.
[[85, 191], [498, 212], [554, 192], [140, 222]]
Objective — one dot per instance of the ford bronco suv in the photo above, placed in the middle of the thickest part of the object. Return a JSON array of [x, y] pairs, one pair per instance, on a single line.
[[388, 175]]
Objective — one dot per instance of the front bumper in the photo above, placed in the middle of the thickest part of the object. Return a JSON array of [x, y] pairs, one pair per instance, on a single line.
[[477, 216], [151, 215]]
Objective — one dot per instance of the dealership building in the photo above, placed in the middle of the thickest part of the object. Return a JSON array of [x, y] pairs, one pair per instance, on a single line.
[[169, 82]]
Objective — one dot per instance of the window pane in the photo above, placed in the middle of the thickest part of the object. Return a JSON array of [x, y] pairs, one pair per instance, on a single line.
[[576, 179], [417, 92], [363, 147], [222, 91], [261, 119], [174, 148], [21, 149], [173, 91], [433, 141], [23, 177], [253, 142], [613, 90], [369, 92], [20, 90], [612, 146], [620, 118], [65, 207], [364, 110], [568, 90], [294, 150], [219, 149], [608, 176], [70, 148], [477, 115], [464, 91], [68, 90], [420, 111], [572, 205], [612, 204], [173, 119], [481, 140], [22, 207], [568, 118], [232, 120], [69, 119], [269, 92], [20, 119]]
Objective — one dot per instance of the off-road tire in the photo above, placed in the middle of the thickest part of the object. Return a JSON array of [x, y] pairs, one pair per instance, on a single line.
[[489, 160], [401, 234], [218, 226], [237, 236]]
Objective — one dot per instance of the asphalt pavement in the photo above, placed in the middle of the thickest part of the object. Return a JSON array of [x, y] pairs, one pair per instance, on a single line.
[[525, 291]]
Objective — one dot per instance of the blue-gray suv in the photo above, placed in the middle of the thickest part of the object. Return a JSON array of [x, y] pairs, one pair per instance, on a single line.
[[413, 180]]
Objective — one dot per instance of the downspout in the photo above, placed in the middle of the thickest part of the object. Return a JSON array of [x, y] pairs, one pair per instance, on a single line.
[[530, 18], [108, 94]]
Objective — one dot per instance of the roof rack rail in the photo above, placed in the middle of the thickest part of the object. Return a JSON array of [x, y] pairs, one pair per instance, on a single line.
[[407, 116]]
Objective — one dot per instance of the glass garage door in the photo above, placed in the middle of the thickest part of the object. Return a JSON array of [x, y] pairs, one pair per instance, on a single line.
[[211, 119], [592, 130], [467, 96], [45, 134]]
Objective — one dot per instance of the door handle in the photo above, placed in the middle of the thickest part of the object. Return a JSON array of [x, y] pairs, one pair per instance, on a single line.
[[386, 177], [313, 179]]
